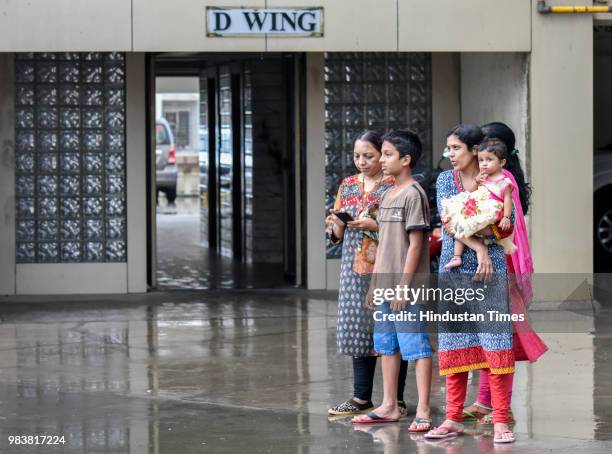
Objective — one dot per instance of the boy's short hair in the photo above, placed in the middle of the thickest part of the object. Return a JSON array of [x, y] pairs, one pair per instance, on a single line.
[[406, 142], [495, 146]]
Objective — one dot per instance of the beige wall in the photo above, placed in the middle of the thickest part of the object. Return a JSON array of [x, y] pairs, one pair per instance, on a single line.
[[180, 25], [464, 26], [349, 25], [61, 278], [65, 25], [494, 87]]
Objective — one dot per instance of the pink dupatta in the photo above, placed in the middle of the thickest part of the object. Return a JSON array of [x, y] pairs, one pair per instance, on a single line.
[[527, 345], [522, 262]]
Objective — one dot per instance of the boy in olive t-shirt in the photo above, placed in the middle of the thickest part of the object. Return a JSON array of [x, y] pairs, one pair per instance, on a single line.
[[402, 258]]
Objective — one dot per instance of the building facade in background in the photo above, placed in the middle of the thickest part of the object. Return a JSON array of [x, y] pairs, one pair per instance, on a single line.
[[77, 110]]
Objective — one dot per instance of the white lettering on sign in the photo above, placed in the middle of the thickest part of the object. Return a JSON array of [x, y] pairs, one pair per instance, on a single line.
[[245, 21]]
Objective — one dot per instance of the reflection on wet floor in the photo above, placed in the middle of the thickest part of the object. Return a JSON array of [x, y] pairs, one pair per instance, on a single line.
[[255, 372], [185, 262]]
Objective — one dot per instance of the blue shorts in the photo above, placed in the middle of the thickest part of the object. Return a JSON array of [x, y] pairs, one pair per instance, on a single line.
[[410, 338]]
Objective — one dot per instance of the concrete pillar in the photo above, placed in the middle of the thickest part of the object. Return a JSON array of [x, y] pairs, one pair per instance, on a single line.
[[7, 174], [136, 173], [561, 149], [315, 171]]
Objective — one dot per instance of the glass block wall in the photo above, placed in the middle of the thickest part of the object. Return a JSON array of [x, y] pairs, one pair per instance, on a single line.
[[70, 157], [371, 91]]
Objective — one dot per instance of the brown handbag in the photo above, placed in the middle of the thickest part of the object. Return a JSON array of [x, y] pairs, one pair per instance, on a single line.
[[365, 255]]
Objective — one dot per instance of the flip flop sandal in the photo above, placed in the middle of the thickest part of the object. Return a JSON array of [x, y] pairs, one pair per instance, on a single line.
[[451, 433], [487, 420], [418, 421], [403, 409], [350, 407], [499, 439], [373, 418], [475, 415]]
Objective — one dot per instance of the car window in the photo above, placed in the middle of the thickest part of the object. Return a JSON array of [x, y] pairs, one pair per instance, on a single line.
[[161, 134]]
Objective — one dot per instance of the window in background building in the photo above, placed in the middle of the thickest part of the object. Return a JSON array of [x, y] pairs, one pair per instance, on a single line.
[[179, 123], [371, 91], [70, 157]]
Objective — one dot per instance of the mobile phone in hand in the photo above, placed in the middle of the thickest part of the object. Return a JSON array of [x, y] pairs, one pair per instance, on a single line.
[[344, 216]]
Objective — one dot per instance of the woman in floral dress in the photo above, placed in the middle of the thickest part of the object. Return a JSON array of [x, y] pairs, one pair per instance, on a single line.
[[357, 195]]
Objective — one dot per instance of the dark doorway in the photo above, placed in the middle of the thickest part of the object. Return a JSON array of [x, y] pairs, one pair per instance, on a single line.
[[241, 230]]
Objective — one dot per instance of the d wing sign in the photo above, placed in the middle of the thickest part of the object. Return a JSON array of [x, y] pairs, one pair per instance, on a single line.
[[259, 21]]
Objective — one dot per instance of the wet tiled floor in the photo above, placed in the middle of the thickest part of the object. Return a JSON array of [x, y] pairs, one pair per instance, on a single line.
[[255, 371]]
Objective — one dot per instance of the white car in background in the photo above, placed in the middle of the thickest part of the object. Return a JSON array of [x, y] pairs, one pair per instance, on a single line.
[[165, 159]]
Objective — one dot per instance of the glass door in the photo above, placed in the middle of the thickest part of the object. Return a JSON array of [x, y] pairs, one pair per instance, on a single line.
[[226, 171], [225, 139], [208, 160], [247, 168]]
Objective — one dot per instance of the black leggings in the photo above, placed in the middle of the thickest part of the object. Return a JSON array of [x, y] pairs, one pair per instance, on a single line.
[[363, 370]]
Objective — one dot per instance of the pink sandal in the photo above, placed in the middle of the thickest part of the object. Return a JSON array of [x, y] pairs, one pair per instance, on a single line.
[[498, 438], [451, 433]]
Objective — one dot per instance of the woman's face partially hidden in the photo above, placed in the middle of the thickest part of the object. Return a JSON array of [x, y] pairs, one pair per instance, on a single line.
[[458, 153], [366, 158]]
